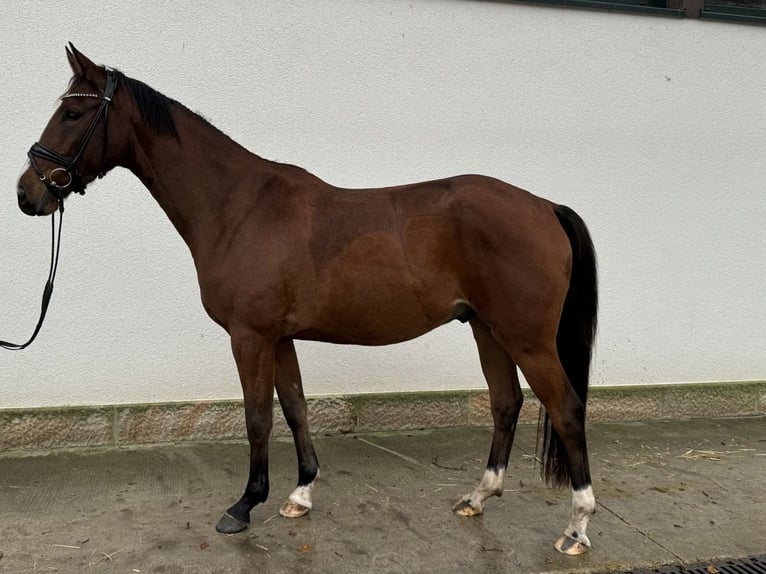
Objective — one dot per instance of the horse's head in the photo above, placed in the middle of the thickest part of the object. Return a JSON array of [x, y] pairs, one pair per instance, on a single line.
[[79, 143]]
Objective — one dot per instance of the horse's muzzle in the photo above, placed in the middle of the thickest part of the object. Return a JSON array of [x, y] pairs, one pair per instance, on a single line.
[[27, 206]]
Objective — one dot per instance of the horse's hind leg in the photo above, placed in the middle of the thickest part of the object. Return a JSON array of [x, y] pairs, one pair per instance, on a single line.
[[567, 453], [505, 402], [290, 392]]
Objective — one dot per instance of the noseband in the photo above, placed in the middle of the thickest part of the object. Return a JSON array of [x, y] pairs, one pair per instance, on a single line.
[[67, 165]]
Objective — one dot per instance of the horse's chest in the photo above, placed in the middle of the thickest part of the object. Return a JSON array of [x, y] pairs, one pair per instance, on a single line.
[[240, 292]]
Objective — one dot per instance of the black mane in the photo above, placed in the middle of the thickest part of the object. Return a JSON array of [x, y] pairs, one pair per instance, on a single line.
[[155, 107]]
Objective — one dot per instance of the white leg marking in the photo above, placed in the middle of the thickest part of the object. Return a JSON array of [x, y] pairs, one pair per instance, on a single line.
[[302, 495], [299, 501], [491, 485], [575, 541], [583, 506]]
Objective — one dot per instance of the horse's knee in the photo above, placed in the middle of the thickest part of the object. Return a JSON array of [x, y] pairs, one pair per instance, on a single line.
[[295, 416], [259, 427]]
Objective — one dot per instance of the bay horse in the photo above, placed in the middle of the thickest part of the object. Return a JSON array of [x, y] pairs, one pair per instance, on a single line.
[[281, 255]]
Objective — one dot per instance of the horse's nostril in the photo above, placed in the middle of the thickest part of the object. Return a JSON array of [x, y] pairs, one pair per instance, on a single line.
[[24, 204]]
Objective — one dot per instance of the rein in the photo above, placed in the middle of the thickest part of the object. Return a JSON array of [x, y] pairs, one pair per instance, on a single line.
[[48, 291], [69, 167]]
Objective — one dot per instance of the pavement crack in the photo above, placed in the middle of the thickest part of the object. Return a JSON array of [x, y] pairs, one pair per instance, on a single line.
[[388, 450], [641, 532]]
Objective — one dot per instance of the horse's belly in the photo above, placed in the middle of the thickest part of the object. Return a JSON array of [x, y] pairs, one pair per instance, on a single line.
[[376, 321], [371, 295]]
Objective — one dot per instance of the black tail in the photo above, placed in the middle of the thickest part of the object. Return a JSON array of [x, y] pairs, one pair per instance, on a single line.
[[574, 339]]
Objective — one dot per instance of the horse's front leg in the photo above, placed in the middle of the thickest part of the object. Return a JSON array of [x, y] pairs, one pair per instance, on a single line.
[[290, 392], [256, 365]]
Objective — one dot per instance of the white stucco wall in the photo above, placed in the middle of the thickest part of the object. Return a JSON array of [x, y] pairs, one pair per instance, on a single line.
[[653, 129]]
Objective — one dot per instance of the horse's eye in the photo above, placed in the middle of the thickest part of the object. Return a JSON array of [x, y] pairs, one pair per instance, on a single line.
[[71, 115]]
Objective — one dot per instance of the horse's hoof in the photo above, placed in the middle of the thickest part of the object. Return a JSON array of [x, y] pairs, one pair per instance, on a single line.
[[463, 507], [292, 509], [229, 525], [570, 546]]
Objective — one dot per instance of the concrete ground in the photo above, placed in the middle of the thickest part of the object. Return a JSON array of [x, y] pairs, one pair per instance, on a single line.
[[666, 492]]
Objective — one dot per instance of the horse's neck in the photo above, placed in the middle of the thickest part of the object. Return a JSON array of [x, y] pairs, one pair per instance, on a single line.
[[193, 177]]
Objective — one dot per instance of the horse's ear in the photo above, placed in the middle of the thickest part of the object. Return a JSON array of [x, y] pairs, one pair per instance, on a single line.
[[81, 66], [73, 63]]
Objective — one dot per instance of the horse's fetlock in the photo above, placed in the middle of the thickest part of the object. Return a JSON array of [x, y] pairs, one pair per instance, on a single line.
[[307, 472]]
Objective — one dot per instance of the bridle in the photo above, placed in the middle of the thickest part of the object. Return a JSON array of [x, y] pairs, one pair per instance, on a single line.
[[57, 190], [67, 165]]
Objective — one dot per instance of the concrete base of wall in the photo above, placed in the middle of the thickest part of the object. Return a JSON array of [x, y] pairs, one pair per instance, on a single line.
[[119, 425]]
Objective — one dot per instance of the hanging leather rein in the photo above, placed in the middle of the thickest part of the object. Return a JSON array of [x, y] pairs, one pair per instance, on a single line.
[[74, 183]]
